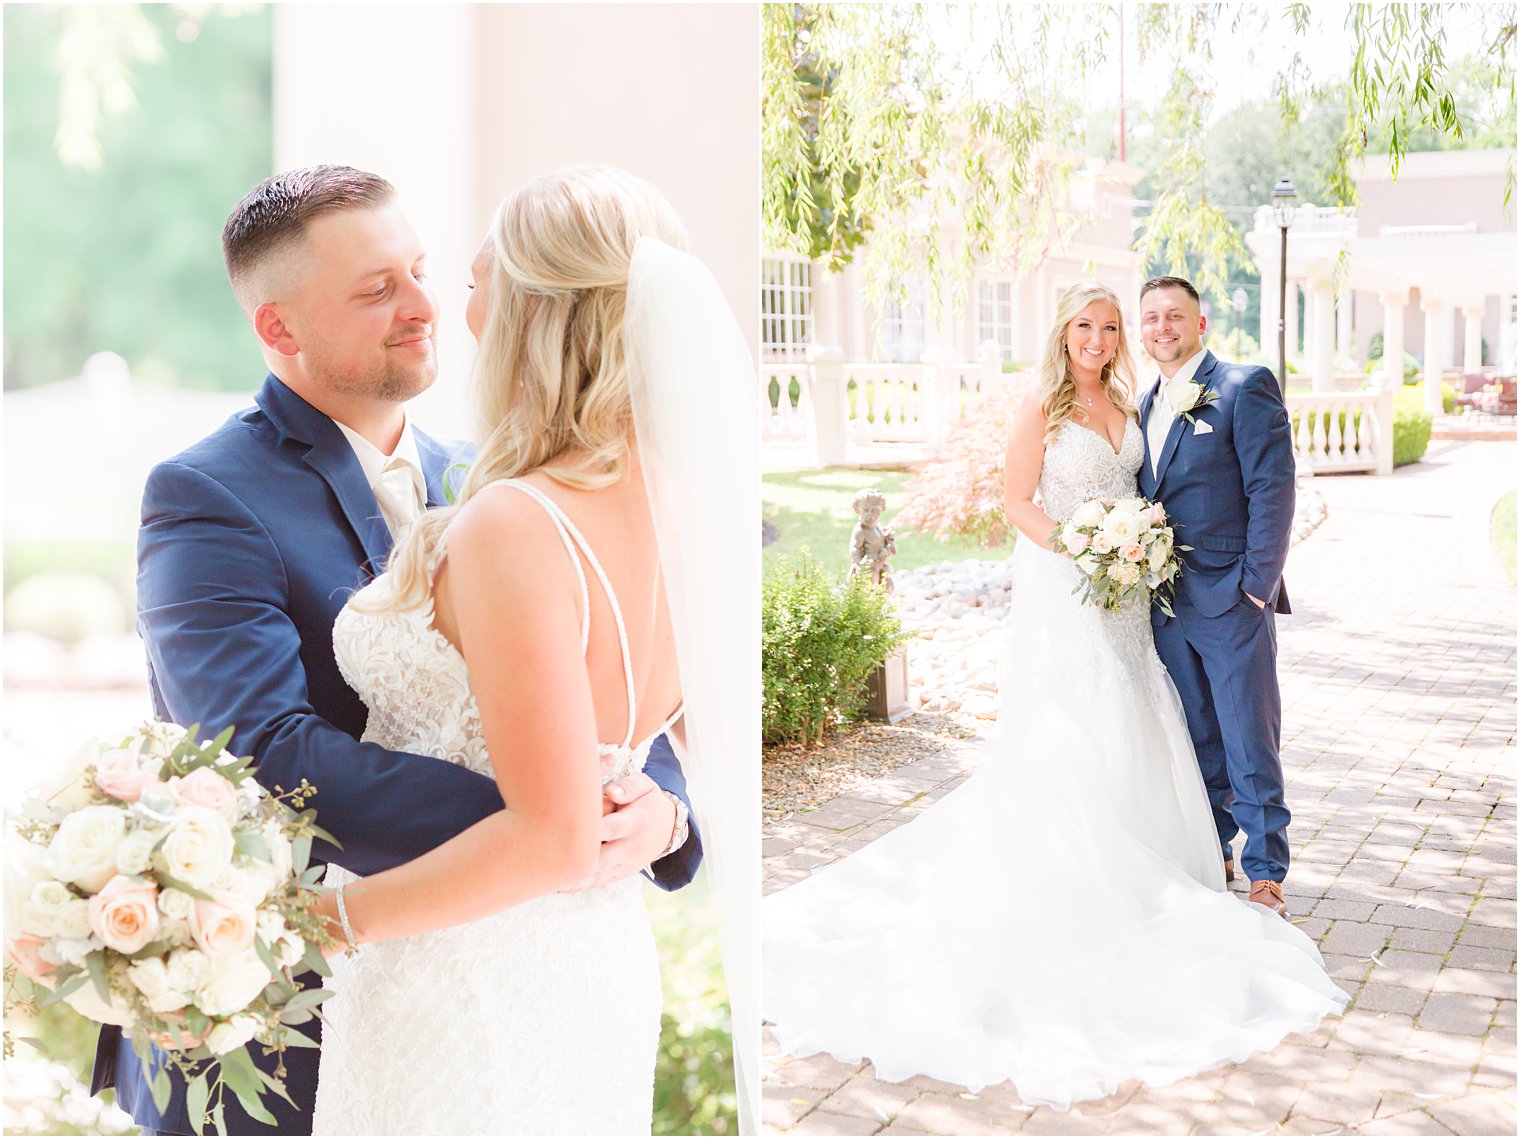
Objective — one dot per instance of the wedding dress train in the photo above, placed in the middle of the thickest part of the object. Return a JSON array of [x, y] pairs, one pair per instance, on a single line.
[[543, 1019], [1060, 920]]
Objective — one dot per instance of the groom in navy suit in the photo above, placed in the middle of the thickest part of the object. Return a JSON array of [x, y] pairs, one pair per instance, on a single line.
[[253, 539], [1219, 457]]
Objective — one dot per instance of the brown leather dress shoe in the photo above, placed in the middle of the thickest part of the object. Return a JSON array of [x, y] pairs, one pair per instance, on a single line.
[[1269, 893], [1229, 870]]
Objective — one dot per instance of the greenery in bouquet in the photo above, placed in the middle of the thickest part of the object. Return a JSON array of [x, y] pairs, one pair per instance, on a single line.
[[160, 888], [1125, 551]]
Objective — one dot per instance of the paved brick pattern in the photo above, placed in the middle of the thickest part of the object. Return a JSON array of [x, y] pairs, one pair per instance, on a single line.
[[1398, 675]]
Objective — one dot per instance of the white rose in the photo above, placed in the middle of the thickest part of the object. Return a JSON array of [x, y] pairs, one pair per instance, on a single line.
[[233, 1033], [188, 969], [1073, 539], [86, 1001], [174, 903], [150, 976], [84, 849], [1183, 395], [1157, 557], [1088, 514], [1121, 527], [289, 950], [26, 865], [44, 906], [1130, 505], [135, 852], [199, 846], [1102, 543], [234, 983], [271, 925]]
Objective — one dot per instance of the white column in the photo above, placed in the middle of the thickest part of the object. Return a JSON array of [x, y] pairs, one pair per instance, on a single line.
[[831, 409], [1436, 320], [337, 99], [1472, 338], [1392, 375], [1320, 305], [1270, 283], [1343, 307], [1295, 351]]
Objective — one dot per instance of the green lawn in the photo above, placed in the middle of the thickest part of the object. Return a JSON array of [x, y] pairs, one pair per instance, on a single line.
[[812, 508], [1502, 525]]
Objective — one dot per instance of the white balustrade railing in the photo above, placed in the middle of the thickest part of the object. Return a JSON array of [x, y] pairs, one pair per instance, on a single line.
[[1342, 431], [831, 404], [786, 405]]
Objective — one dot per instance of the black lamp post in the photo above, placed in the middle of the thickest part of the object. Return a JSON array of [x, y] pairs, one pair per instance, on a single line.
[[1284, 199]]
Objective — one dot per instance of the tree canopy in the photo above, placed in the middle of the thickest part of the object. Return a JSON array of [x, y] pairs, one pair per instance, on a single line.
[[952, 132], [130, 131]]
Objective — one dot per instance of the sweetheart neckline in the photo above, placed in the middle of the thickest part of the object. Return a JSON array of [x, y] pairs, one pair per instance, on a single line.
[[1115, 451]]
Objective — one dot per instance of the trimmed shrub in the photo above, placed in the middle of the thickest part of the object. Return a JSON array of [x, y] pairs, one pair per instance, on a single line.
[[819, 640], [1411, 434], [1411, 365], [959, 493]]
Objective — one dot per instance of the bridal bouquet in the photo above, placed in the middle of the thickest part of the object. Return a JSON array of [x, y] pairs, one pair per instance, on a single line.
[[162, 889], [1124, 549]]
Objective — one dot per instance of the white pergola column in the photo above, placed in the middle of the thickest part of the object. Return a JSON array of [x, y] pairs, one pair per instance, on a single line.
[[1436, 320], [1320, 306], [1270, 283], [1295, 351], [1472, 338], [1392, 375], [1343, 307]]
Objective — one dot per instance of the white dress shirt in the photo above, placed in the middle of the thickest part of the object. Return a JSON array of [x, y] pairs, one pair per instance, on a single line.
[[396, 478], [1162, 415]]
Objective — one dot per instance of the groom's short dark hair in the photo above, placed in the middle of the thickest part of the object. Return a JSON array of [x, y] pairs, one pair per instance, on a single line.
[[276, 212], [1172, 283]]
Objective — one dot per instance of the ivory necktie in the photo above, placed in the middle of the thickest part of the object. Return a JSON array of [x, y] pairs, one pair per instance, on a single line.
[[396, 492], [1159, 423]]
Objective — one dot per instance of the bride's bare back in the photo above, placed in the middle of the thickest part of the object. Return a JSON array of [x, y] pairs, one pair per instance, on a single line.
[[616, 524]]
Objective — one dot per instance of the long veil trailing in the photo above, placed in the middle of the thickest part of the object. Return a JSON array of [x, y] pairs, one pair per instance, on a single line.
[[692, 382]]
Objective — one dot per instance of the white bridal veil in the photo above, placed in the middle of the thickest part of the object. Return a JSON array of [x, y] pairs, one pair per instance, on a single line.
[[692, 383]]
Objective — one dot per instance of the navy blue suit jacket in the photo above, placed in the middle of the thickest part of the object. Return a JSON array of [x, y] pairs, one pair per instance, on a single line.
[[251, 542], [1228, 490]]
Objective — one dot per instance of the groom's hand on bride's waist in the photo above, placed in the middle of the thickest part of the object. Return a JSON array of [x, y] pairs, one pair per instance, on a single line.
[[638, 820]]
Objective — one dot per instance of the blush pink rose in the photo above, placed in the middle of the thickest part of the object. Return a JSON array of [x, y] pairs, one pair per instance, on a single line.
[[121, 774], [1132, 553], [124, 914], [223, 925], [23, 951], [1155, 514], [204, 787]]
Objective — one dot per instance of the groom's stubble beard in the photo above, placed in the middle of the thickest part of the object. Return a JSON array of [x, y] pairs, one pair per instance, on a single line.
[[390, 383]]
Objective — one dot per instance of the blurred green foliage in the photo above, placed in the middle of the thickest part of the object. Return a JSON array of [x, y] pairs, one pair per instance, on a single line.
[[127, 257]]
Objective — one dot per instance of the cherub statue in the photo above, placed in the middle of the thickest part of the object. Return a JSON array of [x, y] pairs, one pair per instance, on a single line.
[[870, 544]]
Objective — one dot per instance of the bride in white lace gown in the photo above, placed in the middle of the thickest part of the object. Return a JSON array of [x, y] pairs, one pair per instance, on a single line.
[[1060, 920], [491, 994]]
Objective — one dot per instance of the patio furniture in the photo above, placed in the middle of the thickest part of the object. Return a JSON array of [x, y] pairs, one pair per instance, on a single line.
[[1472, 384]]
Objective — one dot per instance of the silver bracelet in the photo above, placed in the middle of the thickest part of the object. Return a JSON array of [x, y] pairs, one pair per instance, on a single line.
[[348, 930]]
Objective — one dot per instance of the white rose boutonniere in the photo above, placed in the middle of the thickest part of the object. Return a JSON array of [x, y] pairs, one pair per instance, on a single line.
[[1186, 397]]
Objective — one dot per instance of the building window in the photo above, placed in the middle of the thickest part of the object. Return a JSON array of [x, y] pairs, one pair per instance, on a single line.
[[994, 315], [786, 307], [902, 323]]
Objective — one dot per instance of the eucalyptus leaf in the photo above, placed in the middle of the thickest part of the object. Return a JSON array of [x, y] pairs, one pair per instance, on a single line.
[[96, 964], [196, 1095], [161, 1089]]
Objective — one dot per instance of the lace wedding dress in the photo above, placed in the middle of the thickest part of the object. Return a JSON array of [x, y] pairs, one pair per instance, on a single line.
[[543, 1019], [1059, 920]]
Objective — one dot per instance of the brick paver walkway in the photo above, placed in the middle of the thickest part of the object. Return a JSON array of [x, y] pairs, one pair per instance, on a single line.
[[1398, 676]]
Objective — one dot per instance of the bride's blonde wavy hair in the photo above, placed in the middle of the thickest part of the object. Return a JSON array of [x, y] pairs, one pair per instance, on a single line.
[[550, 373], [1058, 388]]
